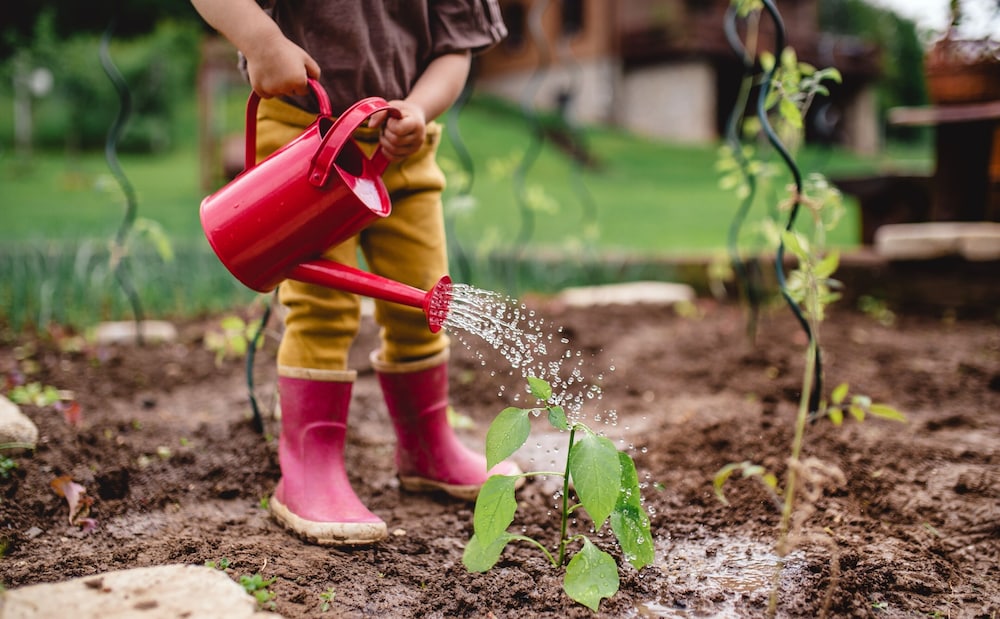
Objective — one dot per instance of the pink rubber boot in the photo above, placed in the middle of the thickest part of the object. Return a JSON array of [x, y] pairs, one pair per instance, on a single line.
[[429, 456], [314, 498]]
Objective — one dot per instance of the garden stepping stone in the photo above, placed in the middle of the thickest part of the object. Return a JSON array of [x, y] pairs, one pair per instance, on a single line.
[[974, 241], [662, 293], [15, 427], [124, 332], [161, 592]]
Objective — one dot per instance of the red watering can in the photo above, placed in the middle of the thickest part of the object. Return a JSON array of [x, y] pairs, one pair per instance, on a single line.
[[274, 220]]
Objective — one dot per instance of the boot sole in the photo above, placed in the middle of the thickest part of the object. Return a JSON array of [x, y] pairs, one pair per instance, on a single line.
[[464, 493], [328, 533]]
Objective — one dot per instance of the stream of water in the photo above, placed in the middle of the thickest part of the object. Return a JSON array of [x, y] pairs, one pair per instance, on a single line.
[[524, 339]]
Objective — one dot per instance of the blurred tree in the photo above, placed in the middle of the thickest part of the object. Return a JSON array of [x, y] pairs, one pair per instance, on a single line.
[[902, 82], [71, 17]]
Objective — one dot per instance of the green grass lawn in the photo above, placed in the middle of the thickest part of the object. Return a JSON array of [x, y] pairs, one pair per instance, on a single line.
[[639, 197]]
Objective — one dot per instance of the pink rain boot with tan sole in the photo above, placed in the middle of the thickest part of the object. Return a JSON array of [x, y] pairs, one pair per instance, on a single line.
[[314, 498], [429, 456]]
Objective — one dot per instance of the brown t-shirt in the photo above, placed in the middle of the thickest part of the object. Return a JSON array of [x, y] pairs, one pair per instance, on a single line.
[[369, 48]]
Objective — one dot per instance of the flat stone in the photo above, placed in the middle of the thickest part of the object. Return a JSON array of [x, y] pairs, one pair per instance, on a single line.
[[659, 293], [124, 332], [161, 592], [15, 427], [980, 243], [974, 241]]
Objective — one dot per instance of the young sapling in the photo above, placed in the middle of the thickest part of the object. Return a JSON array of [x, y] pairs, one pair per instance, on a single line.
[[604, 481]]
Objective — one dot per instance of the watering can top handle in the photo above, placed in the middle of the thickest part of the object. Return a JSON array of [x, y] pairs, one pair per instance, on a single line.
[[250, 150], [338, 135]]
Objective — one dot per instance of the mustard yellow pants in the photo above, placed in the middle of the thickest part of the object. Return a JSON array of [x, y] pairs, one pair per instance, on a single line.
[[408, 246]]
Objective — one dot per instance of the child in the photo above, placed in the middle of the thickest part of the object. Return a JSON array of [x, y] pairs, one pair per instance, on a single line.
[[417, 56]]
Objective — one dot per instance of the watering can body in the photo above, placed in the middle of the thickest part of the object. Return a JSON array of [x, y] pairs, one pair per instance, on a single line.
[[315, 192], [275, 220]]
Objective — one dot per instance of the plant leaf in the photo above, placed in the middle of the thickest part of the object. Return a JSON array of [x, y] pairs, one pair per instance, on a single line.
[[721, 477], [836, 416], [857, 412], [480, 556], [827, 266], [886, 412], [495, 507], [839, 393], [557, 417], [791, 113], [629, 520], [507, 433], [591, 576], [596, 474], [539, 388]]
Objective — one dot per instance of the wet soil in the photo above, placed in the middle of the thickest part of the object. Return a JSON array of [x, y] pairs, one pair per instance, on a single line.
[[165, 446]]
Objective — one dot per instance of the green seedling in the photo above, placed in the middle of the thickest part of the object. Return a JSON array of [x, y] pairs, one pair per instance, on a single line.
[[257, 586], [603, 479], [222, 564], [232, 339], [8, 464], [327, 598], [35, 394]]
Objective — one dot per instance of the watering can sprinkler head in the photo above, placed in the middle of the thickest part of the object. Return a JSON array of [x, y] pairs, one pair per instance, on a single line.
[[437, 304], [275, 220]]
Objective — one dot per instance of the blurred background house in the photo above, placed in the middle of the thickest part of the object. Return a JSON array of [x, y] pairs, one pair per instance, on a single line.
[[663, 68]]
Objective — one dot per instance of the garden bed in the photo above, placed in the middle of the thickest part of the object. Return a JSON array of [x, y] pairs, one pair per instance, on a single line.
[[166, 447]]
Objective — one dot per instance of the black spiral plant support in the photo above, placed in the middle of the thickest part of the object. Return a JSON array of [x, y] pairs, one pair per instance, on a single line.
[[745, 276], [119, 257], [772, 137], [252, 344]]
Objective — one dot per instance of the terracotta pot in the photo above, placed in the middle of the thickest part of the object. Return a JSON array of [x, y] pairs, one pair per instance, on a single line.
[[955, 76]]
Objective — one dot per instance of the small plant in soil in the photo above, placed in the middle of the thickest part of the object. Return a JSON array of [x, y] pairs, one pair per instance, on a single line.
[[604, 482], [327, 599], [257, 586], [232, 338]]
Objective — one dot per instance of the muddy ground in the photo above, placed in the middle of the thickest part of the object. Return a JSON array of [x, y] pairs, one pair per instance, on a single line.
[[165, 446]]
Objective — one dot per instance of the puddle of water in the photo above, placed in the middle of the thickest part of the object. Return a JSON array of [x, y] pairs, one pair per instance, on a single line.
[[711, 577]]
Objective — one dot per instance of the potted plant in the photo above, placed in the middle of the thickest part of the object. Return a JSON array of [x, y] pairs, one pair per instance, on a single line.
[[961, 68]]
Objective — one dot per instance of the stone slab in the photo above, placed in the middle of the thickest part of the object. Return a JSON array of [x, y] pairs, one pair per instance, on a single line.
[[161, 592], [15, 426], [659, 293], [973, 241], [124, 332]]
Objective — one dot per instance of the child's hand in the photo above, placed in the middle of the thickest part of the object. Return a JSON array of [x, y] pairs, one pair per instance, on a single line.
[[277, 66], [402, 136]]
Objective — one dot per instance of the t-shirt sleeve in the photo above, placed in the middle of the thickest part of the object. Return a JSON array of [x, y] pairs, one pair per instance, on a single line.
[[459, 25]]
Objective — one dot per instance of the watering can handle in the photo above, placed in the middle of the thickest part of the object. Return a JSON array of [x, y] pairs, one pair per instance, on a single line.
[[341, 132], [250, 149]]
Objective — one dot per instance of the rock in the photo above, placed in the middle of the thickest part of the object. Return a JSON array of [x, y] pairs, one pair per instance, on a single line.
[[662, 293], [974, 241], [15, 427], [161, 592], [124, 332]]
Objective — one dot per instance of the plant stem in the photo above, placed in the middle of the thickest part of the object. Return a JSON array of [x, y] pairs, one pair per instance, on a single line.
[[565, 501], [791, 479], [548, 555]]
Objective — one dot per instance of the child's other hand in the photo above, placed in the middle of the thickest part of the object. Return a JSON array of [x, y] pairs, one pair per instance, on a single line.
[[280, 67], [402, 136]]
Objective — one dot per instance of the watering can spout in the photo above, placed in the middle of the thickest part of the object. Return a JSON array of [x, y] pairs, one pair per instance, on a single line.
[[435, 303]]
